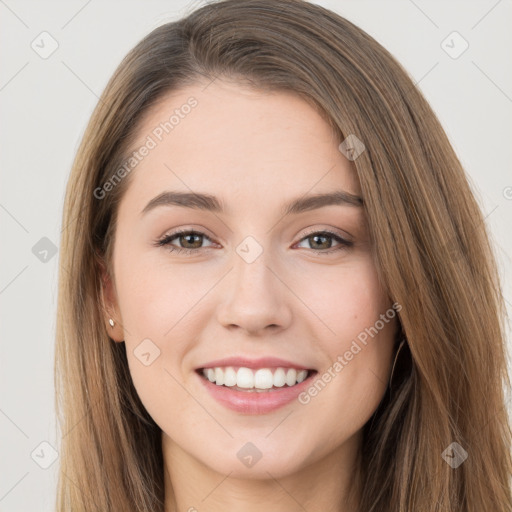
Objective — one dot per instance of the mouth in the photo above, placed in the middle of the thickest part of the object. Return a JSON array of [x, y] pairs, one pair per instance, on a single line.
[[255, 380], [254, 385]]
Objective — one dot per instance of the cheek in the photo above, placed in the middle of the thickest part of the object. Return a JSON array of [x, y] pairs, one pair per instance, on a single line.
[[343, 300], [356, 334], [153, 296], [152, 306]]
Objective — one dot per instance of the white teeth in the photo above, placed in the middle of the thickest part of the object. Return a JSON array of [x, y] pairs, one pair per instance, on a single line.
[[279, 378], [219, 376], [263, 379], [301, 375], [229, 377], [291, 377], [247, 378], [244, 378]]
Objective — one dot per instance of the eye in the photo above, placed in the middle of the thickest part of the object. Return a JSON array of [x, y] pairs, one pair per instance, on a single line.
[[191, 239], [317, 239]]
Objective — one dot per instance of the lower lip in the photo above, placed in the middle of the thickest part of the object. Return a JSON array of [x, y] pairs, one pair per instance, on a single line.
[[254, 402]]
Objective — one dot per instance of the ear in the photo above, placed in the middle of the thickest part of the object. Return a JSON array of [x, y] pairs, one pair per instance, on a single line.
[[110, 306]]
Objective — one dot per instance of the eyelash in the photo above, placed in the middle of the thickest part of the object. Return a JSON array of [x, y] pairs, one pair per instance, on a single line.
[[166, 241]]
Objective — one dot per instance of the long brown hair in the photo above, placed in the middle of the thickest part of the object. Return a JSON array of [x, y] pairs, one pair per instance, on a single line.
[[429, 242]]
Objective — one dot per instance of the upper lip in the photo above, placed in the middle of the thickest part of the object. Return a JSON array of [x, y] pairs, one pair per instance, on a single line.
[[262, 362]]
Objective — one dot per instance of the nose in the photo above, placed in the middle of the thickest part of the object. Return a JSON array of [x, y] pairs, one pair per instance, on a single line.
[[255, 297]]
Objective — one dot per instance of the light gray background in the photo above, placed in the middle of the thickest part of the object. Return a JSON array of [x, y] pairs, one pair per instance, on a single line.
[[46, 103]]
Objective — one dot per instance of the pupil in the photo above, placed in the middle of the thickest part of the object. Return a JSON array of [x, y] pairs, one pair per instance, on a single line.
[[319, 236], [187, 237]]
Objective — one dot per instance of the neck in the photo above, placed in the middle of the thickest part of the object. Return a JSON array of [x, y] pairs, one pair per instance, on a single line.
[[331, 483]]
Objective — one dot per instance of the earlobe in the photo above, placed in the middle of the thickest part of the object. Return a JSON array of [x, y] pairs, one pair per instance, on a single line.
[[115, 330], [110, 314]]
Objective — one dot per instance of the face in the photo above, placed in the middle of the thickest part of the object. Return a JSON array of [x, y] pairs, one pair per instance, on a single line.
[[248, 280]]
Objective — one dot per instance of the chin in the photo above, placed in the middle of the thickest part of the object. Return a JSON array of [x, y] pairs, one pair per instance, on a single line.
[[257, 460]]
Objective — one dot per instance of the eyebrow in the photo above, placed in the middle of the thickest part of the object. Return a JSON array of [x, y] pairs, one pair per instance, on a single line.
[[211, 203]]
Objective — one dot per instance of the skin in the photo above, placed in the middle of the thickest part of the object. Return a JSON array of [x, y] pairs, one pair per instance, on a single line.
[[255, 151]]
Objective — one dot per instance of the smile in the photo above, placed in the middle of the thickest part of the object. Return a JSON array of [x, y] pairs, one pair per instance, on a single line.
[[254, 391], [248, 379]]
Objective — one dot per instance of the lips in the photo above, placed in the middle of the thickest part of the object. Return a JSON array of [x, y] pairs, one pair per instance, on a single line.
[[254, 386]]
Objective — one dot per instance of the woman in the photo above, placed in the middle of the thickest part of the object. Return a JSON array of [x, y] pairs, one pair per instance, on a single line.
[[276, 288]]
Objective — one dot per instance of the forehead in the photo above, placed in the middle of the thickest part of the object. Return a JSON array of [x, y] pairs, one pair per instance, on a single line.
[[238, 143]]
